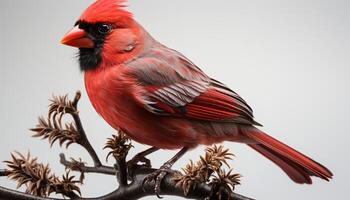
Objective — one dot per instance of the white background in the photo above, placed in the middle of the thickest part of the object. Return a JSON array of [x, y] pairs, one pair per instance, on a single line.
[[288, 59]]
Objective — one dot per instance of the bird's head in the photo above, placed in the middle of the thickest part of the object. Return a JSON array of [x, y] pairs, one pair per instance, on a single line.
[[105, 34]]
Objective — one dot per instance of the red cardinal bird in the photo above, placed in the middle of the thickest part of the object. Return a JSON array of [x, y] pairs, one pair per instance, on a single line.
[[158, 97]]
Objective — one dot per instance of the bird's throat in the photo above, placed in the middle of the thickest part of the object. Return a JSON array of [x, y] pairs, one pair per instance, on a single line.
[[89, 59]]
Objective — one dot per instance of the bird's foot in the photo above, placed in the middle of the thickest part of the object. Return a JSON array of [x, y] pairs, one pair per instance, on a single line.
[[139, 159], [134, 163], [158, 176]]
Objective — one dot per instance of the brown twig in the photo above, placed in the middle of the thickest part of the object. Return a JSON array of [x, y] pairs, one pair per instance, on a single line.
[[38, 178], [83, 140], [121, 172], [3, 172], [119, 146], [86, 169]]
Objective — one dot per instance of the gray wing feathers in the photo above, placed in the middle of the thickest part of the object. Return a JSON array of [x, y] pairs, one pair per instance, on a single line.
[[180, 94]]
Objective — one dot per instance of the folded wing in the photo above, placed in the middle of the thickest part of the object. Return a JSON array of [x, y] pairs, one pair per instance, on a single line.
[[174, 86]]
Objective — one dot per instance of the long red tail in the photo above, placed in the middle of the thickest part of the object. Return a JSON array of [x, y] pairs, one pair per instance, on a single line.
[[297, 166]]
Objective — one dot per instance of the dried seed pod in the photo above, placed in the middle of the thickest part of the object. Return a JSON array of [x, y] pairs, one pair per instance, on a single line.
[[119, 146], [38, 179]]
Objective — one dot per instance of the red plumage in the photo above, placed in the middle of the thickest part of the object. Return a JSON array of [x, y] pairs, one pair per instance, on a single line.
[[160, 98], [296, 165], [106, 10]]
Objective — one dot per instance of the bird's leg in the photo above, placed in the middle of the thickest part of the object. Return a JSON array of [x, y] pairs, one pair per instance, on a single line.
[[159, 174], [141, 157]]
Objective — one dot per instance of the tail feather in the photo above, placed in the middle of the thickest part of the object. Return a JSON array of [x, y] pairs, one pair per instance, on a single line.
[[297, 166], [295, 172]]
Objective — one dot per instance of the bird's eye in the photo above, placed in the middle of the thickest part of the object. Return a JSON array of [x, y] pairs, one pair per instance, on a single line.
[[104, 28]]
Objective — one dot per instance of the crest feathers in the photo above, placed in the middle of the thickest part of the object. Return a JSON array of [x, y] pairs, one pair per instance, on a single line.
[[106, 11]]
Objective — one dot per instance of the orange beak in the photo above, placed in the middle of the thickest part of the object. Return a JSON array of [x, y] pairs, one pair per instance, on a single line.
[[77, 38]]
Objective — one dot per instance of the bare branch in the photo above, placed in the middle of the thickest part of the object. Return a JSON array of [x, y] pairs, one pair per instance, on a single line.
[[53, 130], [86, 169], [3, 172], [135, 190], [119, 146], [83, 140]]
